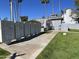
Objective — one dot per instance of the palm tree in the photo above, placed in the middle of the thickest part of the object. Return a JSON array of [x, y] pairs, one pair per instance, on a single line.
[[45, 2], [14, 9], [18, 2], [77, 6]]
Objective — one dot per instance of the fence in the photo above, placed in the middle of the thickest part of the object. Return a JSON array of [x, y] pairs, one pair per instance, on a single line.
[[10, 30], [6, 31]]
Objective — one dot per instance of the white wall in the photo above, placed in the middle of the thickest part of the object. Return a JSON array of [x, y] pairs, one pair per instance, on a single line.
[[64, 27], [73, 26], [56, 24], [0, 32]]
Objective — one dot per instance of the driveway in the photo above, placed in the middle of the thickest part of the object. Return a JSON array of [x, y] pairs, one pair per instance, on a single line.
[[32, 48]]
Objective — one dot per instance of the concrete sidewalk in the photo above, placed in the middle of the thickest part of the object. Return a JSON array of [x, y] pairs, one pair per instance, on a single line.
[[32, 48]]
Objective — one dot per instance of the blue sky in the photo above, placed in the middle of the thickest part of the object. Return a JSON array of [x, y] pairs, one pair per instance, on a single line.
[[34, 9]]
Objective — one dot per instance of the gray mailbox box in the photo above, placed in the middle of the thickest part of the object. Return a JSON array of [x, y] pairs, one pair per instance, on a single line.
[[27, 29], [6, 31], [19, 30], [32, 28], [38, 28]]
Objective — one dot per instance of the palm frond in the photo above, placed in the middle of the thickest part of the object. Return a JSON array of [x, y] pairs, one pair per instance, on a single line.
[[44, 1], [10, 0], [77, 2], [20, 1]]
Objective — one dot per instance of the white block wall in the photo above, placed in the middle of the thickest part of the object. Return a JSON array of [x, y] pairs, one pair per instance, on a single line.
[[73, 26], [56, 24], [6, 31], [64, 27], [19, 30], [1, 39]]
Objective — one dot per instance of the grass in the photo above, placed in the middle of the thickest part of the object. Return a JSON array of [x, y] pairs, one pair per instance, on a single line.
[[3, 53], [62, 47], [74, 30]]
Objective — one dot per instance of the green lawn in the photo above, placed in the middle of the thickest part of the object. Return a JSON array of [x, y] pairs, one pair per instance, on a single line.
[[3, 54], [62, 47]]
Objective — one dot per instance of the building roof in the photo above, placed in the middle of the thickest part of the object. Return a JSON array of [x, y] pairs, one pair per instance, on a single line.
[[55, 18]]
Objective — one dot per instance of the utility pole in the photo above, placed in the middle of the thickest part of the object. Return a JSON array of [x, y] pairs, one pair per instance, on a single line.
[[59, 6], [53, 8], [17, 10], [11, 10]]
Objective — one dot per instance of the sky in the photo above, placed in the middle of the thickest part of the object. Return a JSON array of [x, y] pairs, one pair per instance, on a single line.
[[34, 9]]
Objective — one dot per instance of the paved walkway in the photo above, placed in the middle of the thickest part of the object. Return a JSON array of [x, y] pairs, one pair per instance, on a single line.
[[30, 49]]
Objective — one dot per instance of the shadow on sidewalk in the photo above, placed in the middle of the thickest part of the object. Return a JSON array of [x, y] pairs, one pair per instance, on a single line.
[[15, 55], [26, 39]]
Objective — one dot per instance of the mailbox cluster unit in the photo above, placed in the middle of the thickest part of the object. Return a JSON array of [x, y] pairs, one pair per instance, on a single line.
[[10, 30], [19, 30], [6, 31]]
